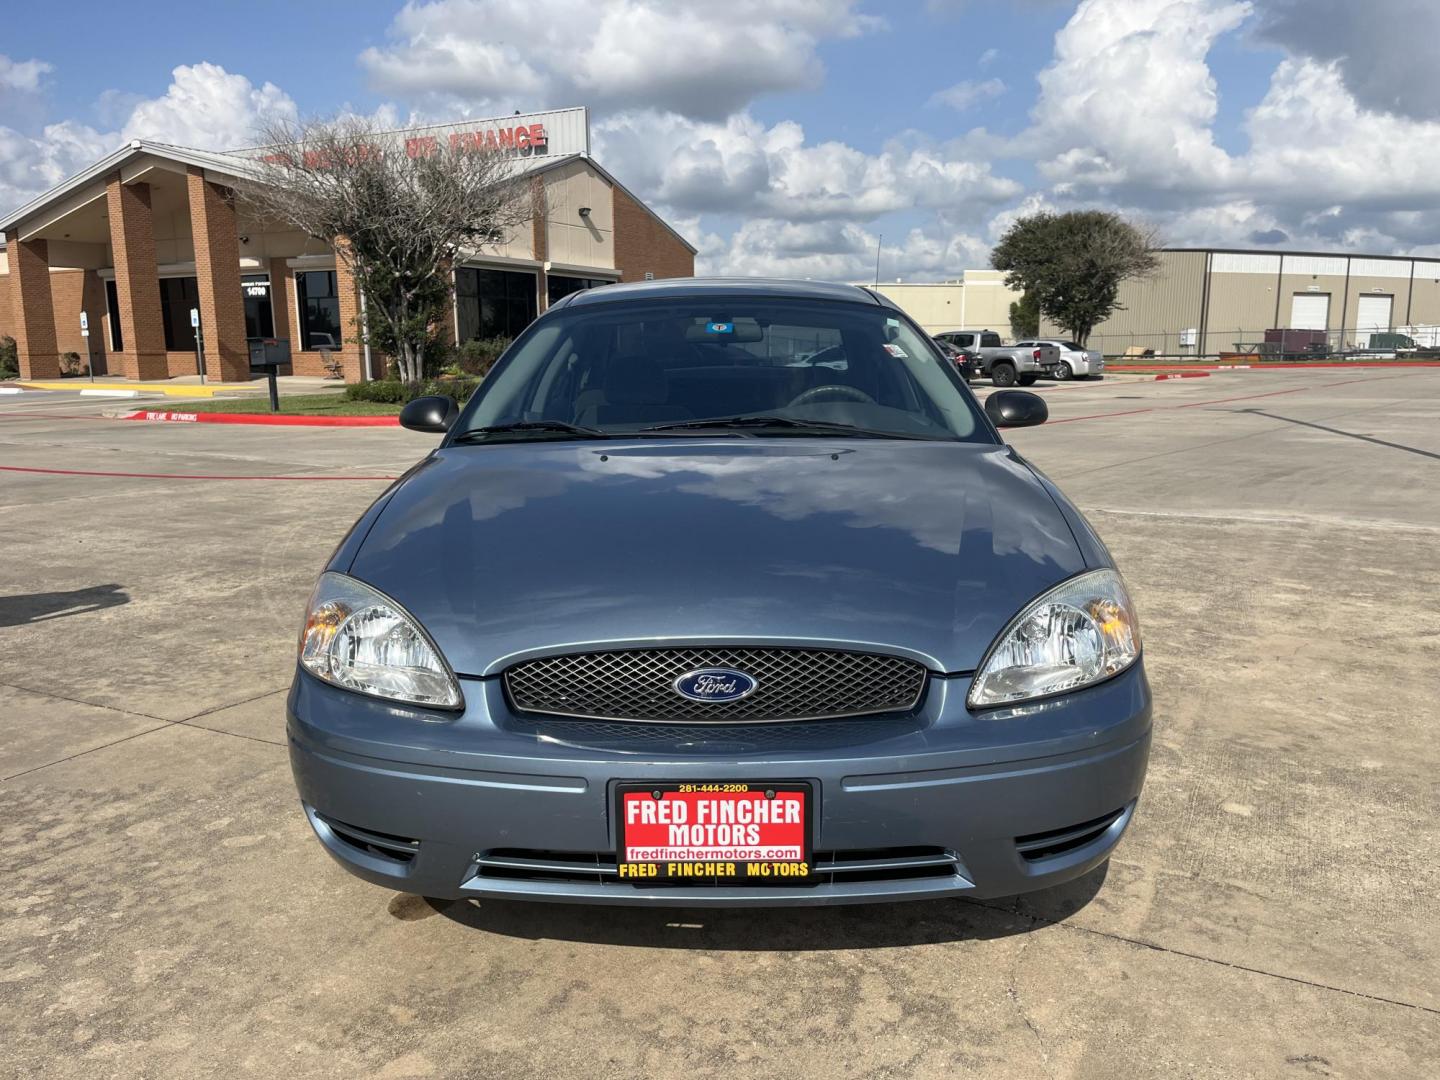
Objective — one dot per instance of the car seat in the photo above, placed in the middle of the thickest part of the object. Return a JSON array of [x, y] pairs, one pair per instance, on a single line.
[[636, 392]]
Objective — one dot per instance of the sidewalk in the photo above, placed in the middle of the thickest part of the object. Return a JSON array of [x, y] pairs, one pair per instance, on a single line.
[[186, 386]]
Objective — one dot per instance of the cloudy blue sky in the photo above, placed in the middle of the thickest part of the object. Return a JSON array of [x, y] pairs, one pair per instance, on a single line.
[[786, 136]]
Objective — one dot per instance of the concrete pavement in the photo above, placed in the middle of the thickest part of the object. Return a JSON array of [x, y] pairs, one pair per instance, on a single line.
[[1273, 912]]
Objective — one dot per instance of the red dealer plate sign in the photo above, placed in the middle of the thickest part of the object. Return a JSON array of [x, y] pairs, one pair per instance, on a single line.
[[740, 832]]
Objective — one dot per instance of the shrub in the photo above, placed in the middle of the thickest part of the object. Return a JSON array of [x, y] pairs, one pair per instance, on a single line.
[[70, 365], [389, 391], [9, 358], [394, 392], [460, 389], [478, 357]]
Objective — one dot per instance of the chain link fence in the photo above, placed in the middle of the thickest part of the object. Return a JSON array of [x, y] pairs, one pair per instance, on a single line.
[[1239, 344]]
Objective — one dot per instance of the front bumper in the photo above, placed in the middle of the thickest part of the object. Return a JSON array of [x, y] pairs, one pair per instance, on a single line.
[[940, 802]]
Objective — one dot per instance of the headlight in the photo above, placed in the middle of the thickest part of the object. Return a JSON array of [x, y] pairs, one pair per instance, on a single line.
[[1080, 632], [360, 639]]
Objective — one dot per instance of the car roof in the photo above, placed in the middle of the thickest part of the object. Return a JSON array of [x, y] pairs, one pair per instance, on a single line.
[[771, 288]]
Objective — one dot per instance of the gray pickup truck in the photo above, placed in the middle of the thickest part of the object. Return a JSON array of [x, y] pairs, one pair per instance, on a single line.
[[1004, 365]]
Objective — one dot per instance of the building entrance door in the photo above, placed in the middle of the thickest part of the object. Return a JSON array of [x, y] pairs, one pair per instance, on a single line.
[[259, 318]]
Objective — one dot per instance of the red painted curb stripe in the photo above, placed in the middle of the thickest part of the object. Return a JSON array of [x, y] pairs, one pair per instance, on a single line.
[[281, 420], [1184, 375], [176, 476]]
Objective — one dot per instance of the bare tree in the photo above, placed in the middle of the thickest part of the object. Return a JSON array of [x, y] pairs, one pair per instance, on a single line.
[[398, 211]]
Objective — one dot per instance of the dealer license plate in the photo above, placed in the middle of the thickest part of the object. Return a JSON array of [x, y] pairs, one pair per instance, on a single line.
[[714, 832]]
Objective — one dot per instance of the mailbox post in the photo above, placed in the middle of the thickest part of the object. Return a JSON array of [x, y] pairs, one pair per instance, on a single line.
[[268, 354]]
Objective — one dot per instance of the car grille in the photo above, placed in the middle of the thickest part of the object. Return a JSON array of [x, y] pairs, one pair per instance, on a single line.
[[791, 684]]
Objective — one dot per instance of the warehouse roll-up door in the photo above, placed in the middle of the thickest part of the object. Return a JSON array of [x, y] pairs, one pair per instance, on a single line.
[[1310, 311], [1372, 317]]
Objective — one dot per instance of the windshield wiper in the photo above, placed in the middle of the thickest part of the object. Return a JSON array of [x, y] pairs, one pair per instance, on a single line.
[[534, 425], [830, 427]]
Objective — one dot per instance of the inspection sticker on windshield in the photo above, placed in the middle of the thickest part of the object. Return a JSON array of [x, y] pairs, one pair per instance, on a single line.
[[895, 350], [720, 328], [713, 831]]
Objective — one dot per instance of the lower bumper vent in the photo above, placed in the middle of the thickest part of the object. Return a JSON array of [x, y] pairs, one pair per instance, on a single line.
[[830, 867], [397, 849], [1047, 845]]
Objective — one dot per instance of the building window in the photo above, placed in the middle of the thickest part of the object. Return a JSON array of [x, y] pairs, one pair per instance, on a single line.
[[259, 319], [319, 303], [559, 286], [112, 311], [493, 303], [177, 296]]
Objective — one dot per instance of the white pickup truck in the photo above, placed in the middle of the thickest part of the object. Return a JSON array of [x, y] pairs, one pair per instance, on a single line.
[[1004, 365]]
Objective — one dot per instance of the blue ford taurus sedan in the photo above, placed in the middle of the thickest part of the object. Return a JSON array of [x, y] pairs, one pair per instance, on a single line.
[[721, 592]]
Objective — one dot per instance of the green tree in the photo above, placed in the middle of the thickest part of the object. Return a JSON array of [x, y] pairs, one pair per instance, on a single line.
[[419, 326], [1072, 264], [1025, 317]]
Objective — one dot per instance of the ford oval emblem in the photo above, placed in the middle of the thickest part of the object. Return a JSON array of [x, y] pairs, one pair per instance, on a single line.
[[715, 684]]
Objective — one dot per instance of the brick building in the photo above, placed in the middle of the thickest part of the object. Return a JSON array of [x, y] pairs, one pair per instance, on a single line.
[[150, 232]]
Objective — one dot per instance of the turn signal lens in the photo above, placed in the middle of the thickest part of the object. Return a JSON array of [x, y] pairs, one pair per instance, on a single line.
[[360, 639], [1080, 632]]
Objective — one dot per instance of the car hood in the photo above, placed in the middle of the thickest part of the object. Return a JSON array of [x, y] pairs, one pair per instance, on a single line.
[[505, 551]]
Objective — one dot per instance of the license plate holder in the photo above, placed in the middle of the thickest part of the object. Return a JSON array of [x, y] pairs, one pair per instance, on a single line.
[[740, 832]]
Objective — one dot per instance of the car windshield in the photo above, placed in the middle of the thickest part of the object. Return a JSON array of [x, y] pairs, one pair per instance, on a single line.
[[751, 367]]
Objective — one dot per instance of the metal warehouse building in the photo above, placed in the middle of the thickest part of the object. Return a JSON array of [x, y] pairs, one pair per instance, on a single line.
[[148, 234], [980, 300], [1209, 301]]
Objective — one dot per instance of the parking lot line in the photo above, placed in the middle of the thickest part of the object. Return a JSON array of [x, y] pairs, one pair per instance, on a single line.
[[1222, 401]]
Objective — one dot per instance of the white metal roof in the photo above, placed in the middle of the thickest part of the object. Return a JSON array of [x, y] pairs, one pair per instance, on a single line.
[[228, 164], [241, 166]]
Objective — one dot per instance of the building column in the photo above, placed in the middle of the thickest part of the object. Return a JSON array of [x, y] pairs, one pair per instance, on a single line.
[[282, 309], [350, 354], [137, 282], [34, 308], [540, 242], [217, 277]]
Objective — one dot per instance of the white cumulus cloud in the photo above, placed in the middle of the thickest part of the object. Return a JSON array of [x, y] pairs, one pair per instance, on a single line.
[[745, 168], [207, 106], [204, 106], [22, 75], [1127, 112], [692, 57], [968, 93]]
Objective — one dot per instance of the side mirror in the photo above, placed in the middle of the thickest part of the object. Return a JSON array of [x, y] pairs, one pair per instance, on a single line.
[[1016, 408], [429, 414]]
